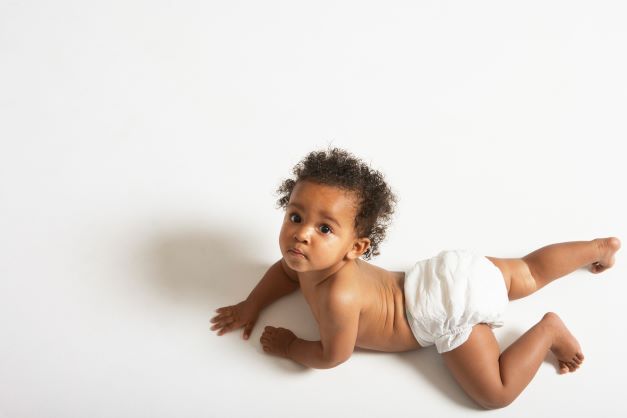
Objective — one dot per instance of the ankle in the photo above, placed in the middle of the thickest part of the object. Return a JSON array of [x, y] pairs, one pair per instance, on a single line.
[[550, 322], [599, 246]]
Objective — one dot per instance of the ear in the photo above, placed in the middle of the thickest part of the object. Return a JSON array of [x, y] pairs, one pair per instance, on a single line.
[[360, 246]]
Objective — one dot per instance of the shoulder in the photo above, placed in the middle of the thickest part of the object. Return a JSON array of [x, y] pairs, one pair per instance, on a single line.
[[340, 307], [342, 292]]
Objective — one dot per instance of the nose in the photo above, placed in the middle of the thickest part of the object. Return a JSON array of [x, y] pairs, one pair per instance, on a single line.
[[301, 233]]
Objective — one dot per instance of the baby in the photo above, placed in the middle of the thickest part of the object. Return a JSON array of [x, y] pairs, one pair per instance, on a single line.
[[337, 210]]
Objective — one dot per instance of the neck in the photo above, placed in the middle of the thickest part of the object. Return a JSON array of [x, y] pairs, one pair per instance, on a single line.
[[317, 277]]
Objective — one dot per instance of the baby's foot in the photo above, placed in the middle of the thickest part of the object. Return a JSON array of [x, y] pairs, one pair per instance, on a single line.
[[565, 346], [607, 247]]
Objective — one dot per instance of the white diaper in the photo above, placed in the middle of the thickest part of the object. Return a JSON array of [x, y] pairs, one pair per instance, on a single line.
[[445, 296]]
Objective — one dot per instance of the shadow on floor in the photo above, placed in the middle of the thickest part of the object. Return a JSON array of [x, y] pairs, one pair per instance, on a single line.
[[428, 363], [200, 267]]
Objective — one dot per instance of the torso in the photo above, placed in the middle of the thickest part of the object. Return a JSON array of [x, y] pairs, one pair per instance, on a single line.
[[383, 325]]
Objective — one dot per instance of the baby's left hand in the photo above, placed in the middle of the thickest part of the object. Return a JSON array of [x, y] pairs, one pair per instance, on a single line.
[[276, 340]]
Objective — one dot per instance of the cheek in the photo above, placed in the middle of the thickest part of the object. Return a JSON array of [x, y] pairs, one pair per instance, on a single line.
[[284, 233]]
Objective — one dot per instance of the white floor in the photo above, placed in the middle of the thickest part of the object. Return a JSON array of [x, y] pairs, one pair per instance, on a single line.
[[141, 144]]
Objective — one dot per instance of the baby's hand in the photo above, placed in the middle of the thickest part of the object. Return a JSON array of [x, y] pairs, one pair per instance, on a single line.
[[244, 314], [277, 340]]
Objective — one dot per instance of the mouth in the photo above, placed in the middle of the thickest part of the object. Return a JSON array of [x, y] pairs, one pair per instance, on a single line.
[[296, 253]]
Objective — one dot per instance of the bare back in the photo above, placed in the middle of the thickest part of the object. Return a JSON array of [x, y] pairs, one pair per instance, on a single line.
[[383, 325]]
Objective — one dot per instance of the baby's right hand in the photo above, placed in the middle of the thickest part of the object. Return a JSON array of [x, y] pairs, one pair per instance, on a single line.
[[244, 314]]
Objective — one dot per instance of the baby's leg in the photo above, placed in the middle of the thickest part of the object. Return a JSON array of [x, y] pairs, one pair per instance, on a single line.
[[525, 275], [494, 380]]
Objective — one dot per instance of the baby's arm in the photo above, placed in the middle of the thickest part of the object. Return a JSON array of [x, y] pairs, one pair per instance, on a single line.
[[278, 281], [339, 323]]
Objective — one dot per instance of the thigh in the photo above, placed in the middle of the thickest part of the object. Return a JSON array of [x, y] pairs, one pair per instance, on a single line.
[[517, 275], [475, 364], [505, 266]]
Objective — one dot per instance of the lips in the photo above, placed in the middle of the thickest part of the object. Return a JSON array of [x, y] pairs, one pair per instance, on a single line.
[[295, 251]]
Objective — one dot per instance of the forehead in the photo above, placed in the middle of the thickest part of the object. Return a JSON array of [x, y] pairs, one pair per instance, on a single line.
[[324, 199]]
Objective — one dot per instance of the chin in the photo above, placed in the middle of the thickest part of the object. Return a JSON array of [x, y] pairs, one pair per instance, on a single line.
[[294, 266]]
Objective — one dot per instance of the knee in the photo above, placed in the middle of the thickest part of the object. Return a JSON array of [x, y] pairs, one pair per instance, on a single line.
[[494, 400]]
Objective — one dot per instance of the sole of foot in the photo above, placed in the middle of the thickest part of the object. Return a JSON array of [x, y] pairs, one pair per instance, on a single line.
[[565, 346]]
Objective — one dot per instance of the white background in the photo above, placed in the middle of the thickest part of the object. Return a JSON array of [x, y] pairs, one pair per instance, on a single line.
[[141, 143]]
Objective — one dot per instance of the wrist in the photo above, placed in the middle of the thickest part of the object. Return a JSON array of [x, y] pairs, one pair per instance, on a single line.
[[255, 305]]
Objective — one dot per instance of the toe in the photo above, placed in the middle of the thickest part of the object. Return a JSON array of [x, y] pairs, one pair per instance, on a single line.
[[580, 357], [563, 367]]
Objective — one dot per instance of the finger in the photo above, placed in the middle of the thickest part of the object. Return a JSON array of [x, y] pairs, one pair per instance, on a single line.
[[228, 312], [226, 329], [221, 317], [223, 322], [220, 325], [228, 320], [248, 330]]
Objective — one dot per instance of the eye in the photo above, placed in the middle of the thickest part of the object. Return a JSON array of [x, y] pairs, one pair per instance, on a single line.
[[326, 229]]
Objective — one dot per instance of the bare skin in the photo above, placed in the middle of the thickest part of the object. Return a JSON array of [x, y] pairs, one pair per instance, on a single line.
[[383, 325], [375, 316], [494, 380]]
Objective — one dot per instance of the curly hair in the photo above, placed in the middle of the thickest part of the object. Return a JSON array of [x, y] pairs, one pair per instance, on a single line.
[[337, 167]]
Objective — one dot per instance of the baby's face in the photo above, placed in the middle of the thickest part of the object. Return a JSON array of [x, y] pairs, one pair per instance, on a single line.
[[319, 222]]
